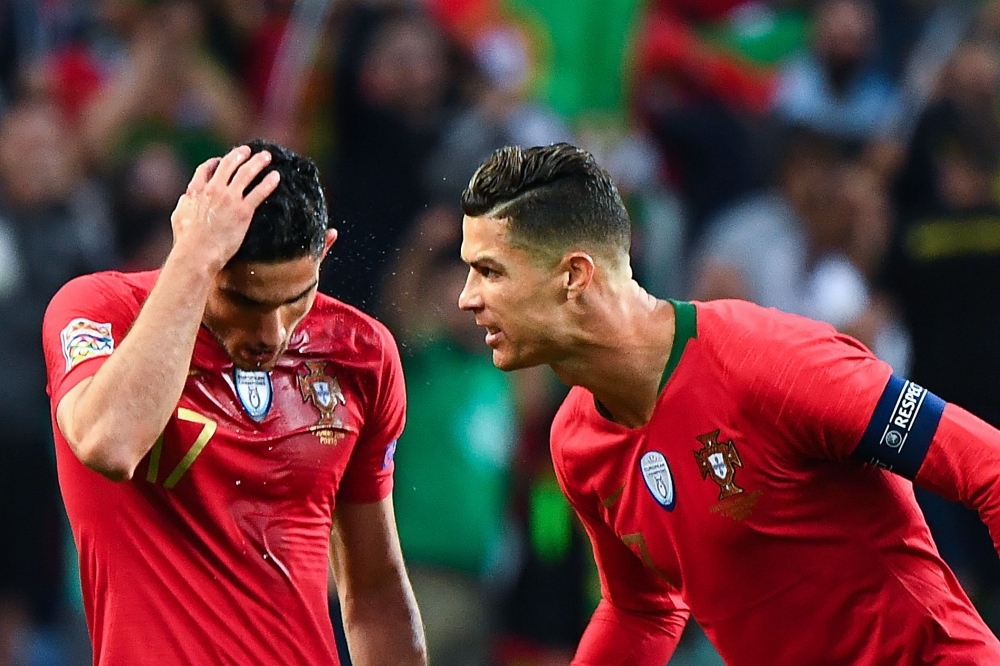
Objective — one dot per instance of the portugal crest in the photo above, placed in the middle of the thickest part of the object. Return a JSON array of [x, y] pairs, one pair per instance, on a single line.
[[718, 461], [324, 392]]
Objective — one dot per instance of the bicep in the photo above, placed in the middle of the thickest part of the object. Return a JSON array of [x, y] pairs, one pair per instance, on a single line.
[[834, 400], [364, 545], [66, 410]]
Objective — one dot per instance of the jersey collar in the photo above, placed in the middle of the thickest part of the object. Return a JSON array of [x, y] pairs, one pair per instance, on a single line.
[[685, 328]]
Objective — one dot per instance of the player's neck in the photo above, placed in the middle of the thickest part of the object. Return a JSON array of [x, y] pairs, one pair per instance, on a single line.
[[623, 359]]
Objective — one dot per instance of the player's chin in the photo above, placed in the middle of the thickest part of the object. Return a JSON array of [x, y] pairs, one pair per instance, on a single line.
[[508, 361]]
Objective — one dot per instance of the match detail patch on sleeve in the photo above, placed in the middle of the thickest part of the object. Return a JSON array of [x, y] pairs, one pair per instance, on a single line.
[[901, 429], [390, 453], [83, 339]]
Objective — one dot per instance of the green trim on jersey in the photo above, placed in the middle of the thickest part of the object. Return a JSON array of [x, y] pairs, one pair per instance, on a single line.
[[685, 328]]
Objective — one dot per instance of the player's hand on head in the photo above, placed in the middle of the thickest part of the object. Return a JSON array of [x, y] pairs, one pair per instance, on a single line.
[[212, 216]]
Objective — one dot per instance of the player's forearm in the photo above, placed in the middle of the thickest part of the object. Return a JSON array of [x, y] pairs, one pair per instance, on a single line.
[[383, 626], [120, 413], [616, 637], [963, 464]]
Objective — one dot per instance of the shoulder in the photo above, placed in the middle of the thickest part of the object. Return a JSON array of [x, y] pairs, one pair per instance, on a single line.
[[335, 325], [756, 348], [736, 321], [572, 420], [743, 335], [113, 290], [570, 414]]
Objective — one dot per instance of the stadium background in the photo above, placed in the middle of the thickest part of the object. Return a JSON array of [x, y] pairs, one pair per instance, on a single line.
[[836, 158]]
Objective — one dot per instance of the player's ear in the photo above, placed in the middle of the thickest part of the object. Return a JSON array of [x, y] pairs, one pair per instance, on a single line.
[[331, 238], [578, 271]]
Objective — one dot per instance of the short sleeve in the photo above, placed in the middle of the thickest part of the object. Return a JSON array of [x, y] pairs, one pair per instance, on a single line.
[[84, 323], [817, 387], [368, 477]]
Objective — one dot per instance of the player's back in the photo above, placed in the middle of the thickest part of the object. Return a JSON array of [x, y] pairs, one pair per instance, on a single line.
[[216, 550], [740, 493]]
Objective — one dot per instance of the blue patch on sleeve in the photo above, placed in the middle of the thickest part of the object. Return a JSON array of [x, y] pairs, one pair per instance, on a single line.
[[390, 453], [900, 431]]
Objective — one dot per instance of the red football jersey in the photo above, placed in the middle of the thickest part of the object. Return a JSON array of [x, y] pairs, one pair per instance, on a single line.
[[216, 552], [747, 502]]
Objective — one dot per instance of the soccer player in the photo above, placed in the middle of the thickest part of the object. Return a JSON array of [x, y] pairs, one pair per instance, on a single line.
[[745, 466], [215, 422]]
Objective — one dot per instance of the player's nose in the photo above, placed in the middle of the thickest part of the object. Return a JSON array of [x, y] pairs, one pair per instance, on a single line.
[[470, 298], [272, 330]]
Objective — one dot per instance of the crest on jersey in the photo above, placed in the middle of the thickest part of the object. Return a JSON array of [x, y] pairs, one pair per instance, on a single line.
[[718, 461], [324, 392], [659, 481], [83, 339], [254, 390]]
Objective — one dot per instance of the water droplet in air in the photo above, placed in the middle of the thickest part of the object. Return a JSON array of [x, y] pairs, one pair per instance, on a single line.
[[238, 482]]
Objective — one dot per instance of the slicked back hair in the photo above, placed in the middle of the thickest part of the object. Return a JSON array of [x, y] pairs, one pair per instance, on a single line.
[[555, 198], [292, 221]]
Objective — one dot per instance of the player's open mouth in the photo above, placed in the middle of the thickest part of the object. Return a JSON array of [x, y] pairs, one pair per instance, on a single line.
[[258, 358], [493, 335]]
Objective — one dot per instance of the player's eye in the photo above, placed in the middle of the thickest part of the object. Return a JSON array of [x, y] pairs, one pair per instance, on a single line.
[[487, 272], [247, 303]]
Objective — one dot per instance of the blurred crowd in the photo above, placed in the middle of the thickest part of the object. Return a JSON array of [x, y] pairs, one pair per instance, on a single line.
[[833, 158]]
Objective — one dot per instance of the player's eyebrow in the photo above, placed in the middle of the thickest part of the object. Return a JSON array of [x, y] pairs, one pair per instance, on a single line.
[[238, 295], [483, 262]]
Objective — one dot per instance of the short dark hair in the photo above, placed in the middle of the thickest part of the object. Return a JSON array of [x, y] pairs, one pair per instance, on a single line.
[[292, 220], [554, 196]]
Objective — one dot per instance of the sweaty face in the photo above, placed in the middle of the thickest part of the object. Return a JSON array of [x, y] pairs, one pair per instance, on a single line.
[[512, 296], [254, 308]]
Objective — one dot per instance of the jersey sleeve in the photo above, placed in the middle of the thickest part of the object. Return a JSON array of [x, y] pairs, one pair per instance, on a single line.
[[84, 323], [833, 399], [641, 617], [963, 465], [368, 477], [818, 388]]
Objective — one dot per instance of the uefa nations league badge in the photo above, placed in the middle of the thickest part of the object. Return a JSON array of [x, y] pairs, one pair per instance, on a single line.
[[254, 389], [656, 474]]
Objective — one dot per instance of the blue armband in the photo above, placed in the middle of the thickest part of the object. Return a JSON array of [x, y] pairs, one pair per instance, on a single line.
[[900, 431]]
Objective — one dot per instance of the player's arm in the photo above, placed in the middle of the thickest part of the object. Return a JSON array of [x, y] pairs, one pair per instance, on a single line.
[[380, 613], [113, 418], [963, 464], [381, 619], [838, 401], [939, 446], [641, 616]]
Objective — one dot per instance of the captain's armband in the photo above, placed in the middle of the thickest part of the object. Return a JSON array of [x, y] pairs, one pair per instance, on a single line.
[[901, 428]]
